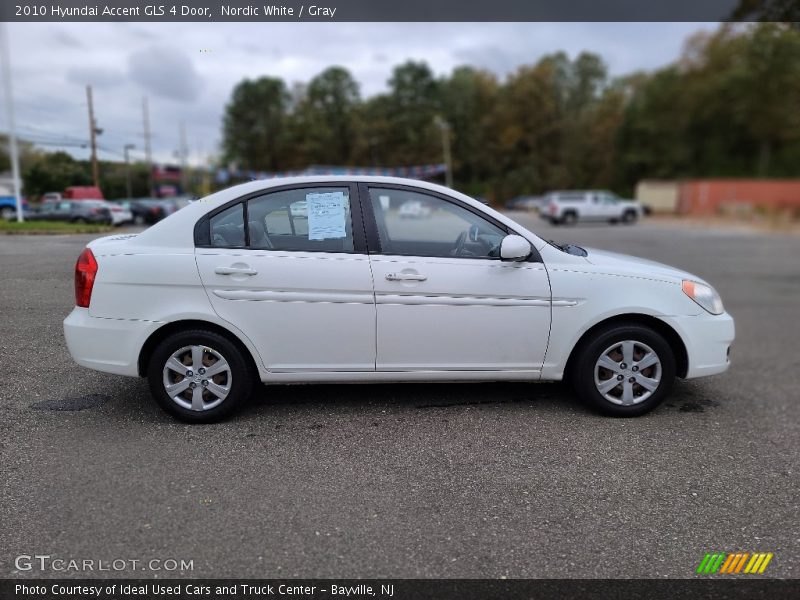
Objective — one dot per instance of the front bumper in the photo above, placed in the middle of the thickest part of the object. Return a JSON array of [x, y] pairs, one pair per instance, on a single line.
[[109, 345], [708, 339]]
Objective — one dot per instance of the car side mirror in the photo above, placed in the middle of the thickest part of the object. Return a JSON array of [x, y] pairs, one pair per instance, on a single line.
[[514, 247]]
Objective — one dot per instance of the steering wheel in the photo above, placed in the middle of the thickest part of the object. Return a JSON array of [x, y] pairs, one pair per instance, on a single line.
[[461, 240]]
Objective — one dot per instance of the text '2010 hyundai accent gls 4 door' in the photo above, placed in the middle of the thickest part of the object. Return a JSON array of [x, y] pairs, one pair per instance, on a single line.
[[324, 279]]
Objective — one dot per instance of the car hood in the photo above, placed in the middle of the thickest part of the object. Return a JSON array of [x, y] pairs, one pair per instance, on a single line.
[[637, 267]]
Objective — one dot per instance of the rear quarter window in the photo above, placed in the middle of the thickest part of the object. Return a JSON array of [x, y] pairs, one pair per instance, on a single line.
[[226, 228]]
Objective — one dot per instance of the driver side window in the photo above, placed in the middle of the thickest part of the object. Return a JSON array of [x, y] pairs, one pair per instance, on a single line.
[[415, 224]]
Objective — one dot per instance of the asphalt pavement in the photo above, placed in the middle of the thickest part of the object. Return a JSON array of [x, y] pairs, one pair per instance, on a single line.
[[414, 480]]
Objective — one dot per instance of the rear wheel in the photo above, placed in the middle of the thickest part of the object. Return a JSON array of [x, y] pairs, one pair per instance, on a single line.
[[569, 218], [629, 217], [7, 213], [199, 376], [624, 371]]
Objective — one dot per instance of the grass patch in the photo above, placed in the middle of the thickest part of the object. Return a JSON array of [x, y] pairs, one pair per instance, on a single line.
[[51, 227]]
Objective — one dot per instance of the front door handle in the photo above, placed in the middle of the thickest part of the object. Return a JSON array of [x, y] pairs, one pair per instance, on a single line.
[[235, 271], [405, 277]]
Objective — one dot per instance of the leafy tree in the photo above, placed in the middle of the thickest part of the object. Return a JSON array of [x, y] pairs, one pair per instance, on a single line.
[[53, 172], [328, 117], [414, 100], [468, 99], [255, 125]]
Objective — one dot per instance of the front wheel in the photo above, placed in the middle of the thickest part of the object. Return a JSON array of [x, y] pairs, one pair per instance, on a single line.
[[624, 371], [8, 213], [629, 217], [199, 376]]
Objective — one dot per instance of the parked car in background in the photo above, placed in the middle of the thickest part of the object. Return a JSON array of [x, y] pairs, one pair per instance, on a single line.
[[570, 207], [51, 197], [74, 211], [414, 210], [120, 214], [525, 203], [147, 211], [8, 207], [228, 293], [299, 209], [8, 202]]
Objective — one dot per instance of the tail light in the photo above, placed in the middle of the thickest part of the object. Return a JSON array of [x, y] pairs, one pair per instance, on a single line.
[[85, 271], [552, 208]]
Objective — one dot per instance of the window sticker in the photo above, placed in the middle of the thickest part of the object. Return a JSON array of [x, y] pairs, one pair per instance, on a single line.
[[326, 214]]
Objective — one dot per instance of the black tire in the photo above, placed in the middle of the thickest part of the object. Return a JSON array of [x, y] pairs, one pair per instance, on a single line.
[[629, 217], [583, 369], [8, 213], [80, 221], [138, 220], [569, 218], [241, 374]]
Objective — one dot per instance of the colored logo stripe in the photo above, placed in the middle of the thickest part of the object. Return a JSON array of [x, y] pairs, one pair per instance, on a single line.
[[733, 563]]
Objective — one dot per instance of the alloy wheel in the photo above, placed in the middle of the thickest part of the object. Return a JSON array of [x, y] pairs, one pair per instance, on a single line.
[[628, 372], [197, 378]]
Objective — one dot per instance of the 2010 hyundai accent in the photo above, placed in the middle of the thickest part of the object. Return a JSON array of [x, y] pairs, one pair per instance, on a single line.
[[321, 279]]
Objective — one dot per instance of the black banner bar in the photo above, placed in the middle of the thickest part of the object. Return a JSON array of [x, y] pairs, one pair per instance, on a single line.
[[399, 10], [744, 587]]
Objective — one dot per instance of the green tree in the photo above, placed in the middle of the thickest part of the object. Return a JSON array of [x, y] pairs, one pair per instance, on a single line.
[[255, 132], [53, 172], [468, 99], [329, 116], [414, 100]]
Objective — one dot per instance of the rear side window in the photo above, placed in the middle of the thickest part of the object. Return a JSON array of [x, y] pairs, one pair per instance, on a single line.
[[227, 227], [314, 219]]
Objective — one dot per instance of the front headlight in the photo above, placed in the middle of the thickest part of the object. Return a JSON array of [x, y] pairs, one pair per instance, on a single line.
[[704, 295]]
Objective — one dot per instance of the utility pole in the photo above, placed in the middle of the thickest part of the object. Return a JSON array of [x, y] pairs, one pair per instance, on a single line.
[[126, 149], [147, 149], [444, 126], [5, 53], [93, 131]]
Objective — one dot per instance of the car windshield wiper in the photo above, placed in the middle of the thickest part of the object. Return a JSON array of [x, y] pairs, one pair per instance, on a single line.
[[569, 248]]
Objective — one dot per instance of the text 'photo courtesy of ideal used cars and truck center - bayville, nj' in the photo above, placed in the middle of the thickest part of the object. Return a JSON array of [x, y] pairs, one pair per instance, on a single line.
[[400, 300]]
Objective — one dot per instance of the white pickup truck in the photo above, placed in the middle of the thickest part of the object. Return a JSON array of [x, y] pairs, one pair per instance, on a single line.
[[569, 207]]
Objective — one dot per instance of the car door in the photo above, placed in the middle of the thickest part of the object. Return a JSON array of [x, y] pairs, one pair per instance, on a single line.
[[610, 206], [63, 211], [289, 268], [445, 301], [591, 208]]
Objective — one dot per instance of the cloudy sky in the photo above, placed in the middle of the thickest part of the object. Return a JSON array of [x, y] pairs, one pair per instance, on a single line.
[[187, 70]]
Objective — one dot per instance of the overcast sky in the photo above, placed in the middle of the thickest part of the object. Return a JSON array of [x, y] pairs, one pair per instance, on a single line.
[[188, 70]]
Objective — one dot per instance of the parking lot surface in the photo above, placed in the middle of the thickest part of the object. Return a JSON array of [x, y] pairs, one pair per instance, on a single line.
[[487, 480]]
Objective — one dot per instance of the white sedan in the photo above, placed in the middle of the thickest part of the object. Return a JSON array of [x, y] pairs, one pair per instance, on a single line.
[[236, 288], [120, 214]]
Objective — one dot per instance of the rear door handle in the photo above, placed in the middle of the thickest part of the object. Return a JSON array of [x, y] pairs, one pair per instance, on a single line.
[[235, 271], [405, 277]]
